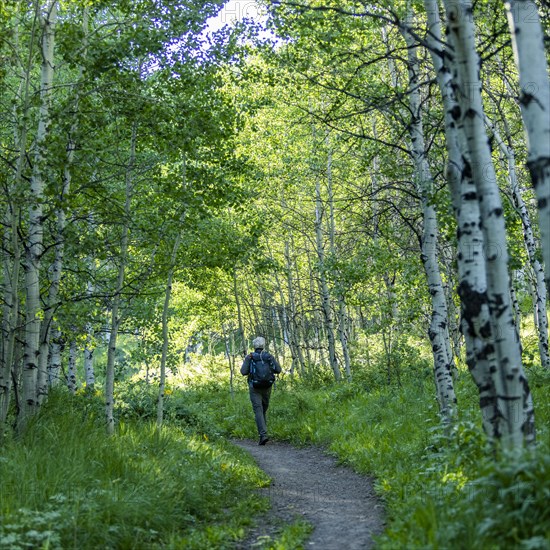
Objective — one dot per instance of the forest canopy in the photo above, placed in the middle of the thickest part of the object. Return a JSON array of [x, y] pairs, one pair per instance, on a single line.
[[347, 180]]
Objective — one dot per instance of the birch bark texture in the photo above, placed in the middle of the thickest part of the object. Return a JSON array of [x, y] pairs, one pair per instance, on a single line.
[[528, 44], [514, 400], [89, 372], [539, 289], [439, 325], [12, 249], [71, 370], [475, 317], [34, 248], [56, 269]]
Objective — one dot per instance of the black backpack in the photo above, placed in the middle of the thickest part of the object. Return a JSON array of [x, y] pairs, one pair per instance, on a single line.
[[261, 370]]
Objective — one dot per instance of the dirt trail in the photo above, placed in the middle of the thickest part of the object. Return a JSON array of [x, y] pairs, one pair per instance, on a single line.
[[306, 483]]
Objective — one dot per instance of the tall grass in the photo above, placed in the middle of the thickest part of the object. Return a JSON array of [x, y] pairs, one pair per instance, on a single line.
[[442, 491], [65, 484]]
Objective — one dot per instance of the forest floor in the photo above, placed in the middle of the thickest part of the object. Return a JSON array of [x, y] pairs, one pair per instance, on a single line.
[[308, 484]]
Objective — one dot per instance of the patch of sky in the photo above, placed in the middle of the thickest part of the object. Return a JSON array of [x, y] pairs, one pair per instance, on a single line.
[[236, 12]]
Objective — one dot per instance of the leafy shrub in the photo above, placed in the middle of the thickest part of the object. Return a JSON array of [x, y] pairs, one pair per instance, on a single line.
[[509, 503], [136, 399]]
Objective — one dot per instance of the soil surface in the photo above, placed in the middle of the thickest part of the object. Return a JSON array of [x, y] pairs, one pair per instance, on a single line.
[[309, 484]]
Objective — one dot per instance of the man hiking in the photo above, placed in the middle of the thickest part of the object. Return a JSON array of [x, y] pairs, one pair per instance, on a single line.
[[260, 367]]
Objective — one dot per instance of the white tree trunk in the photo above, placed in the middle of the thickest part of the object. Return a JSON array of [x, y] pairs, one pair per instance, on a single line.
[[166, 315], [323, 284], [472, 287], [9, 310], [285, 336], [165, 341], [12, 263], [71, 371], [514, 298], [341, 310], [514, 400], [89, 372], [54, 369], [293, 331], [301, 308], [57, 266], [439, 327], [34, 249], [531, 59], [239, 316], [89, 347], [539, 287], [53, 294]]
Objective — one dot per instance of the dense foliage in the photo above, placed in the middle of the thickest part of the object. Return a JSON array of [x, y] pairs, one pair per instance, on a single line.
[[440, 490], [366, 185]]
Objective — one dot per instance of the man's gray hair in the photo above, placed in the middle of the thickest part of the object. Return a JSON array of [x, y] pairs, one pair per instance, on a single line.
[[258, 342]]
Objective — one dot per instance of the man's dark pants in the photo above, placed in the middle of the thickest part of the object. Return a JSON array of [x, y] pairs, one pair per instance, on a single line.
[[260, 403]]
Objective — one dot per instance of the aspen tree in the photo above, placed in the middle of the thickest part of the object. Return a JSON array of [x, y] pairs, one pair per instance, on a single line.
[[61, 217], [439, 325], [286, 329], [472, 279], [514, 401], [10, 239], [89, 373], [34, 248], [438, 331], [341, 314], [71, 371], [531, 60], [165, 335], [117, 297], [323, 284], [228, 343], [301, 309], [389, 281], [539, 287], [294, 330], [54, 367], [9, 317], [239, 314], [166, 310]]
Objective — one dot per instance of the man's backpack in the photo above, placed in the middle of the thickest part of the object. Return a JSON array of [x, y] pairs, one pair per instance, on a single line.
[[261, 370]]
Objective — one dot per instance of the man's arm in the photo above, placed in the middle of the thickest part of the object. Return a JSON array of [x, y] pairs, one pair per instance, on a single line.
[[276, 367], [245, 367]]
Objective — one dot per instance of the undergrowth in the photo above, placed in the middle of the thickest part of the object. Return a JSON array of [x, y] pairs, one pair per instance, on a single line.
[[65, 484], [442, 490]]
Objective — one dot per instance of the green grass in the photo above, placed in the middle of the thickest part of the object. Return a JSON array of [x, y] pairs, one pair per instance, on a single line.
[[66, 484], [293, 535], [441, 491]]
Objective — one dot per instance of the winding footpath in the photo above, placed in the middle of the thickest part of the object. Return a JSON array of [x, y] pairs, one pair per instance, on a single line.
[[340, 504]]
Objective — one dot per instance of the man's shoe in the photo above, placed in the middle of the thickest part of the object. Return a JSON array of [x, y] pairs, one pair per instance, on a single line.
[[263, 440]]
